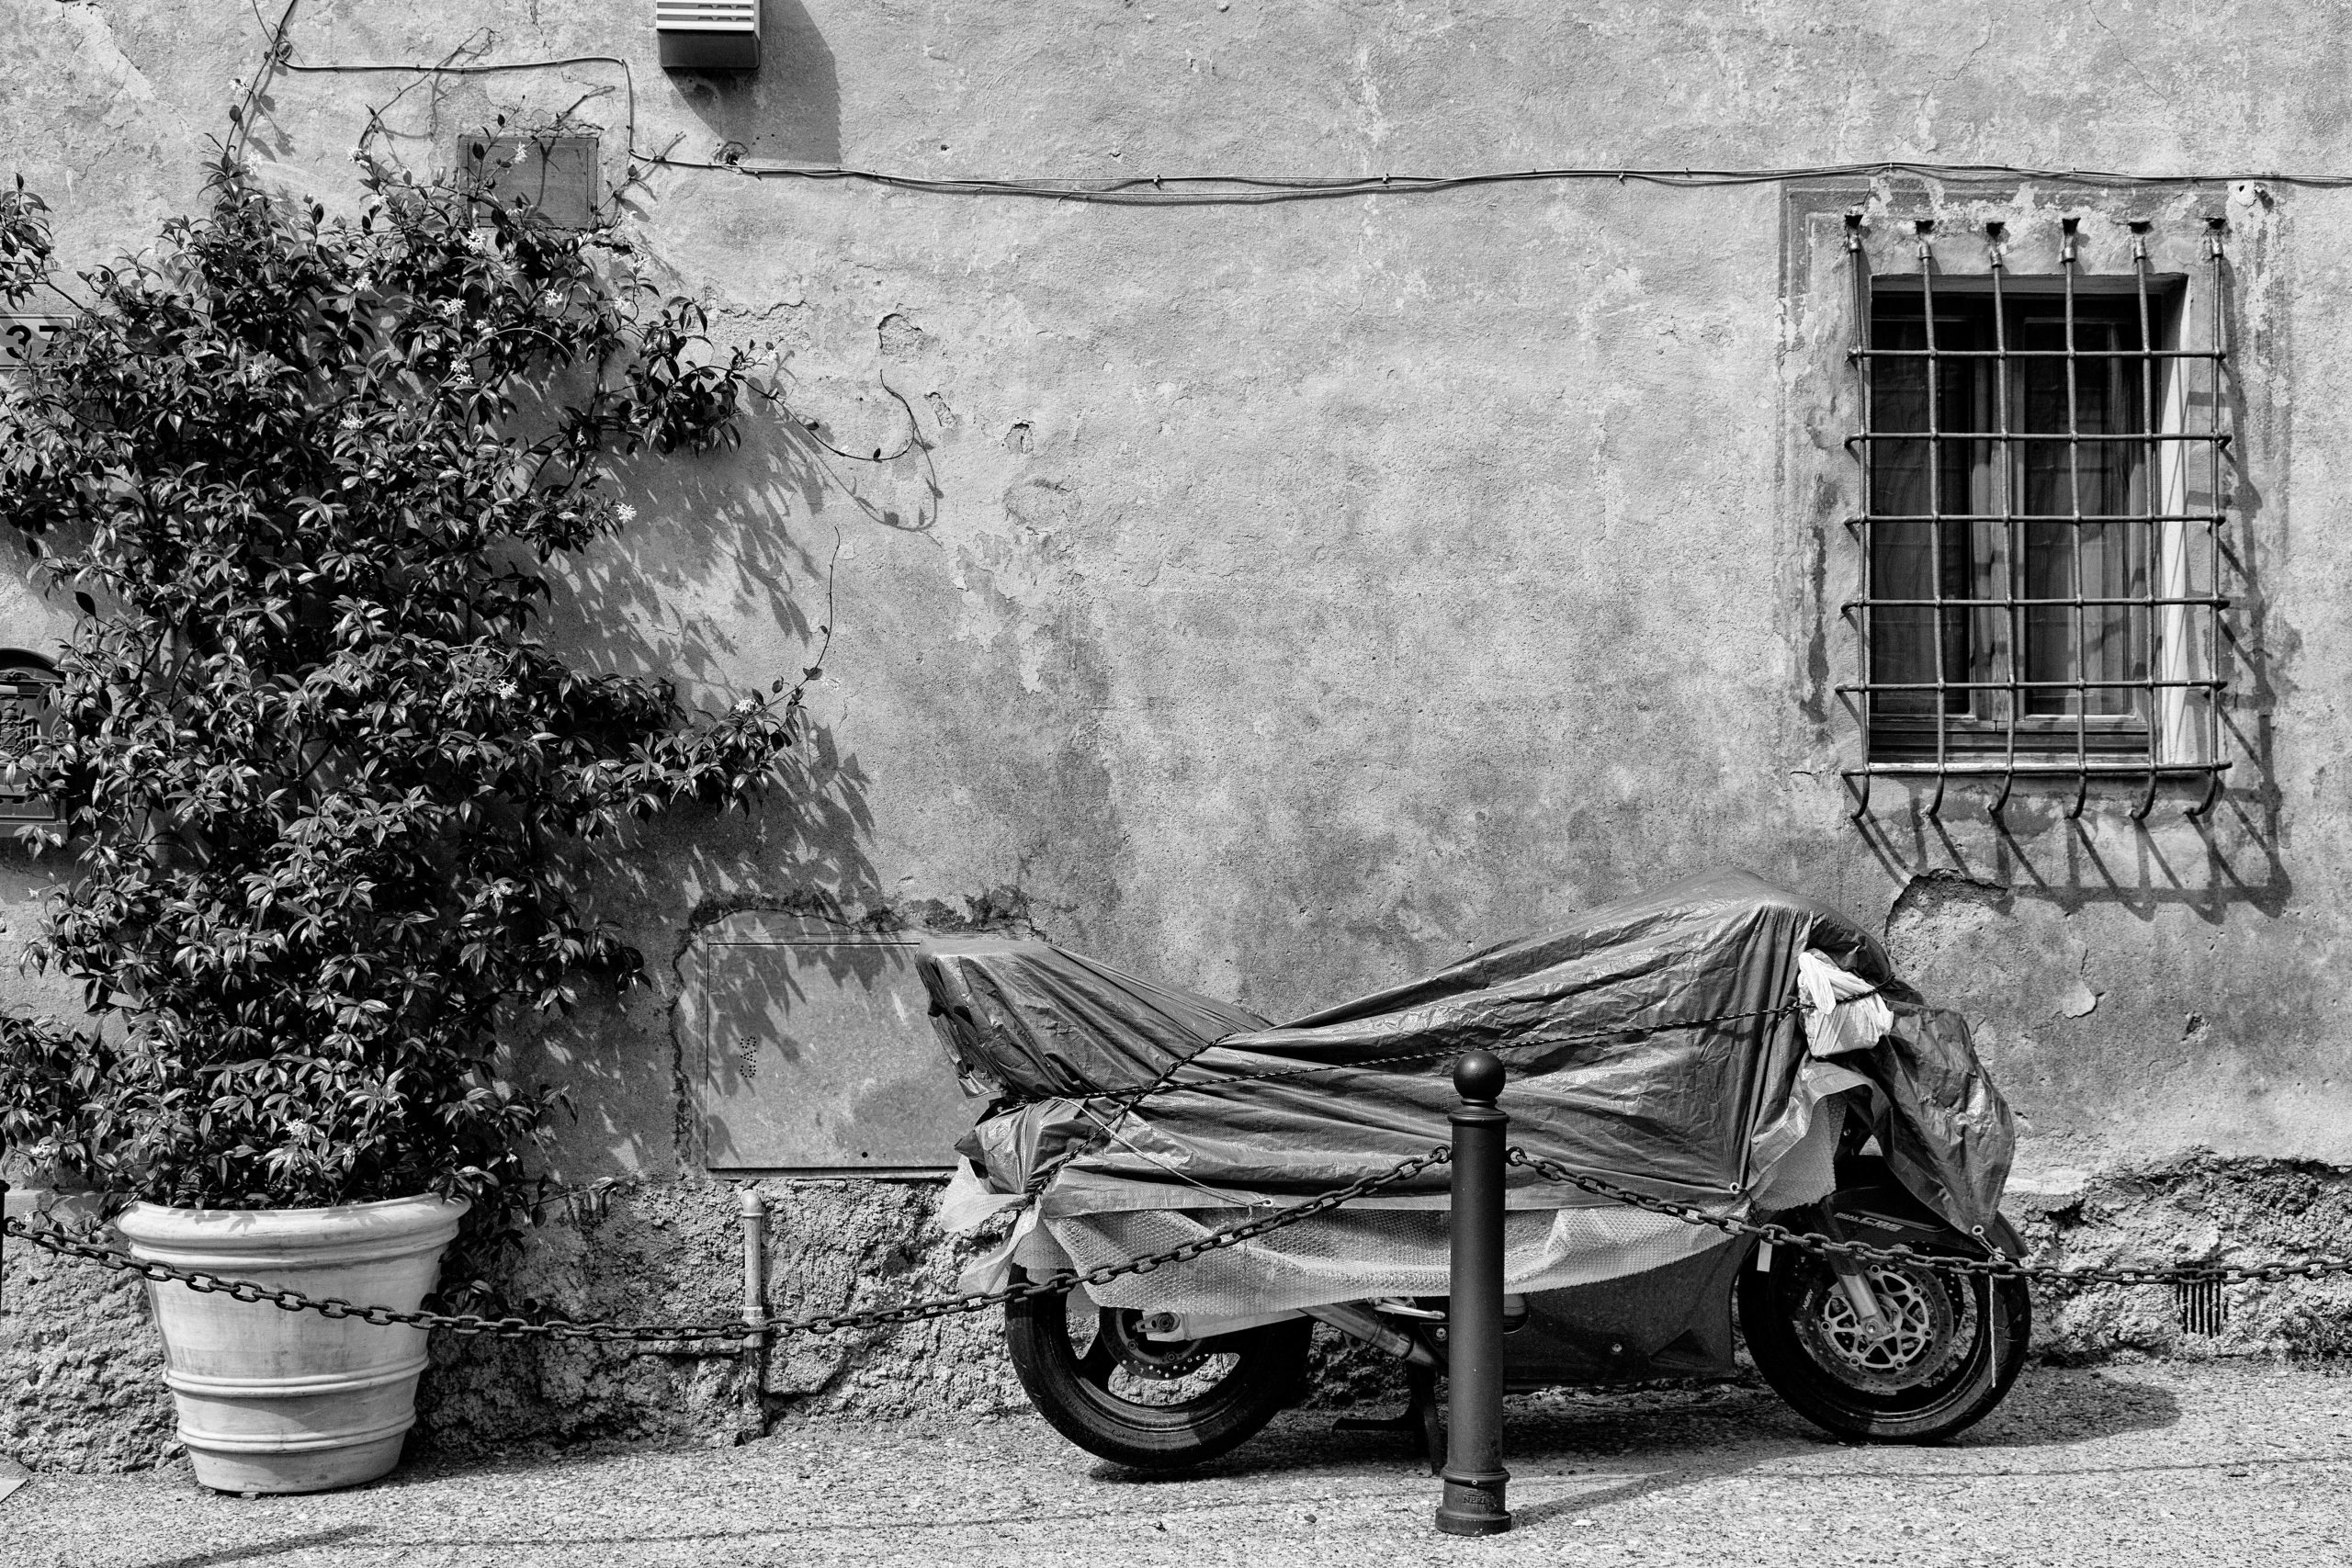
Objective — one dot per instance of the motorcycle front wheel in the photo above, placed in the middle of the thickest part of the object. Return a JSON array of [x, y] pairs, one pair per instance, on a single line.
[[1957, 1344], [1150, 1404]]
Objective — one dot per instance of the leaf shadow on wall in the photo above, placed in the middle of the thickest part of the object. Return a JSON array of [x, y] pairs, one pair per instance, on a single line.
[[720, 584]]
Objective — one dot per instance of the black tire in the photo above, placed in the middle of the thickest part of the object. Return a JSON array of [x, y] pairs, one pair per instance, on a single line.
[[1966, 1344], [1099, 1396]]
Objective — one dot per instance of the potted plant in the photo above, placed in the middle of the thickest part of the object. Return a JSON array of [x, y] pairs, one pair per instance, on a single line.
[[326, 794]]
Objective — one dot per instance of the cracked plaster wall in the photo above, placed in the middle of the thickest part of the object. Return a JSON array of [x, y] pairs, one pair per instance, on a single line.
[[1284, 599]]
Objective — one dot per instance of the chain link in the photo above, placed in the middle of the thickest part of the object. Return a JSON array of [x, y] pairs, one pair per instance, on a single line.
[[48, 1238], [1998, 1266], [51, 1239]]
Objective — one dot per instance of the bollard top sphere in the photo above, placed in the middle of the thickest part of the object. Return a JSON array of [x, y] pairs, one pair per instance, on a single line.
[[1479, 1076]]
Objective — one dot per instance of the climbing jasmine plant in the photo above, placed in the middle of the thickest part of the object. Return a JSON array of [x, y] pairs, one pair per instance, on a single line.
[[325, 793]]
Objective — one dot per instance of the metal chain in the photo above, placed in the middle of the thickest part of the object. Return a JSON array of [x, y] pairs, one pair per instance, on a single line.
[[51, 1239], [1998, 1266]]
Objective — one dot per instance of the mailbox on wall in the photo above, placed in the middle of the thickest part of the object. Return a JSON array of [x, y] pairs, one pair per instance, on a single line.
[[28, 685], [809, 1046]]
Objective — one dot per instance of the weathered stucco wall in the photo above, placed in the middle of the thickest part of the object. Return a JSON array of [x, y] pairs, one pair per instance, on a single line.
[[1279, 599]]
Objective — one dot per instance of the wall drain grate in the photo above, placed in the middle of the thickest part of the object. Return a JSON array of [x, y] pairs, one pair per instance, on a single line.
[[2201, 1306]]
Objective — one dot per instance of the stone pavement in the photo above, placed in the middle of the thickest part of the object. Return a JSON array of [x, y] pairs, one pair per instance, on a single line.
[[2171, 1462]]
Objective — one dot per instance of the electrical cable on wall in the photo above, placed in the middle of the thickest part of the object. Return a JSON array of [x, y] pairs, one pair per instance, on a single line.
[[1198, 191], [1222, 190], [1201, 190]]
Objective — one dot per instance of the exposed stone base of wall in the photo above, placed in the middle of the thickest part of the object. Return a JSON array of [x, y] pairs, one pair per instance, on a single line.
[[80, 1359], [2197, 1208], [81, 1368], [674, 1254]]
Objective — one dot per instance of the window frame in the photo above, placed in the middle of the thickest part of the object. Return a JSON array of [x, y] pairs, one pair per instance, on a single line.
[[2174, 727]]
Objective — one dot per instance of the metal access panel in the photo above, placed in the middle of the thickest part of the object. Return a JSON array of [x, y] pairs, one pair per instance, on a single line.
[[556, 174], [814, 1052]]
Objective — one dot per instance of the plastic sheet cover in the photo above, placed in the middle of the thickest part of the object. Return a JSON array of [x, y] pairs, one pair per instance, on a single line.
[[1652, 1042]]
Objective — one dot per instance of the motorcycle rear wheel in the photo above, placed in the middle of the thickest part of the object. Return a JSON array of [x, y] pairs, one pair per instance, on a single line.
[[1962, 1341], [1145, 1404]]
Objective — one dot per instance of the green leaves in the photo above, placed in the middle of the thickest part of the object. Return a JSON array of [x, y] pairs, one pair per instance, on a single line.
[[328, 795]]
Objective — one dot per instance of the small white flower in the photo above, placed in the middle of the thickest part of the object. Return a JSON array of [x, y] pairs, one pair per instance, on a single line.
[[508, 690], [351, 422], [625, 512]]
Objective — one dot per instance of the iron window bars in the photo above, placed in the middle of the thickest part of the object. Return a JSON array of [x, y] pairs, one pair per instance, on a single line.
[[2032, 574]]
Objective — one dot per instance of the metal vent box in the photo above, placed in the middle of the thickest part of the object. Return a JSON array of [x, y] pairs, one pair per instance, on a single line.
[[708, 35]]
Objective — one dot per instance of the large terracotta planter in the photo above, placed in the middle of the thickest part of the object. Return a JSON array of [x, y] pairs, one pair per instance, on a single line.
[[275, 1400]]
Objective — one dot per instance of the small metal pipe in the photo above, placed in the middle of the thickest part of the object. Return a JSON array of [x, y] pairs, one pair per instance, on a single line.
[[2076, 438], [2205, 686], [1475, 1478], [1926, 227], [2032, 353], [2066, 259], [753, 1210], [2056, 767], [2034, 517], [2135, 602], [2149, 474], [2012, 552], [2214, 230], [1858, 262]]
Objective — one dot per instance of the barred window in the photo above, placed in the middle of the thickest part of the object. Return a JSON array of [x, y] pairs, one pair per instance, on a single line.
[[2042, 527]]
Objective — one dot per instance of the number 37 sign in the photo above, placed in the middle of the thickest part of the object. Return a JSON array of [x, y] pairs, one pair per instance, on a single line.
[[24, 339]]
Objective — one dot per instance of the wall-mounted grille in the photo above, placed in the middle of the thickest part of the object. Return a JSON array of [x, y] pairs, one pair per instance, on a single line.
[[707, 16], [708, 35], [2202, 1309], [2042, 526]]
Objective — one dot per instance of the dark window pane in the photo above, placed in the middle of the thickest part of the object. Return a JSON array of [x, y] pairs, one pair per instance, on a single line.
[[2092, 479], [1905, 482]]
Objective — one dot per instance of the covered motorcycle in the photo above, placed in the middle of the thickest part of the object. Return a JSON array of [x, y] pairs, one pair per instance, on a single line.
[[1722, 1043]]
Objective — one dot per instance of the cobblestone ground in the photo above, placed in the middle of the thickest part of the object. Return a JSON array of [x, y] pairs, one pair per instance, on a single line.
[[2158, 1463]]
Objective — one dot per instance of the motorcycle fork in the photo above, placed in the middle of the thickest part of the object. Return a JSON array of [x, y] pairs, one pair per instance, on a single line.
[[1853, 1279]]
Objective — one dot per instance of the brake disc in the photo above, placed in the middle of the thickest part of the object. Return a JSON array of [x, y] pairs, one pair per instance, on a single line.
[[1928, 1330], [1163, 1360]]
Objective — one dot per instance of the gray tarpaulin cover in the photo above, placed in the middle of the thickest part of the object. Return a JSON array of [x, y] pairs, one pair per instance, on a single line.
[[1664, 1042]]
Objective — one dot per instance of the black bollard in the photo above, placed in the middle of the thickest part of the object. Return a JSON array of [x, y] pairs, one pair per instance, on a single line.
[[1473, 1472]]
